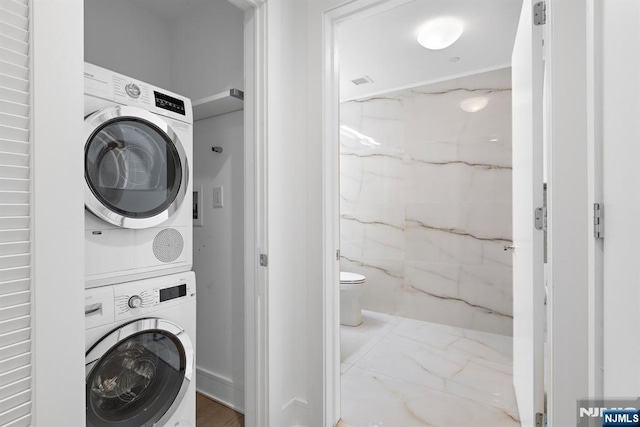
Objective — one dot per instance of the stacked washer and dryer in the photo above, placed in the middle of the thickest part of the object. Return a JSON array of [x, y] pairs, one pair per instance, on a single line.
[[140, 294]]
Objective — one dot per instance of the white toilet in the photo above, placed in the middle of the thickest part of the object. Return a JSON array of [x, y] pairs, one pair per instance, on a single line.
[[351, 287]]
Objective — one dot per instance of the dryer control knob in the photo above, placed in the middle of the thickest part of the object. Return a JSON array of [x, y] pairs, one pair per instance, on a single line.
[[135, 301]]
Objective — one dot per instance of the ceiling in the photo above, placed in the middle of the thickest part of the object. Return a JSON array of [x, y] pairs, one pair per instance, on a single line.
[[171, 10], [384, 47]]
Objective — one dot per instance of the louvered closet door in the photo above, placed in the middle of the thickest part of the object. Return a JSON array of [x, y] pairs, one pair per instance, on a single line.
[[15, 223]]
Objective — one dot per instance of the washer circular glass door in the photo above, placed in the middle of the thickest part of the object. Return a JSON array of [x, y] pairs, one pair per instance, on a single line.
[[138, 374], [135, 167]]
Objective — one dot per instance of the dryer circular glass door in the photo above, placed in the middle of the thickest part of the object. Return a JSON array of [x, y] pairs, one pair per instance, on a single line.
[[138, 374], [135, 167]]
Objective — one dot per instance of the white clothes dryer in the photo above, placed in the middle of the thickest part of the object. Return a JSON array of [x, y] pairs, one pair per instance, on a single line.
[[140, 353], [138, 196]]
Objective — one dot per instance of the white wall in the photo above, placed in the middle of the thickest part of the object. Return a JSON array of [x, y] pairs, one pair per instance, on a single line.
[[207, 47], [128, 39], [218, 259], [317, 392], [207, 50], [288, 276], [619, 66], [569, 210], [58, 214]]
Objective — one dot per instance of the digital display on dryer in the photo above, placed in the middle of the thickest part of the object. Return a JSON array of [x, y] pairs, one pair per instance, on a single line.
[[167, 294], [169, 103]]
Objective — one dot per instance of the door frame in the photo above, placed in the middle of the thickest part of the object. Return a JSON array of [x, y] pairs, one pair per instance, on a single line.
[[256, 302], [559, 304], [331, 19]]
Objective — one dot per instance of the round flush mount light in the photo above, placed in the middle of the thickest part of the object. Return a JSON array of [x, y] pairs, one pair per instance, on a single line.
[[440, 33], [473, 105]]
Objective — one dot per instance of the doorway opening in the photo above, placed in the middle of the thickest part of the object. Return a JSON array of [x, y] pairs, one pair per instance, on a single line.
[[425, 215], [207, 51]]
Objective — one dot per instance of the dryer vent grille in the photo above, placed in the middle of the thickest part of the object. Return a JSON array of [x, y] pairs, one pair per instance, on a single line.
[[168, 245]]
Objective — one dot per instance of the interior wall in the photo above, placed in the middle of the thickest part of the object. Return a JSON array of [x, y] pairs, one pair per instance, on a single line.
[[207, 47], [123, 37], [620, 86], [57, 219], [426, 204], [288, 275], [198, 54], [570, 212], [207, 50], [218, 254]]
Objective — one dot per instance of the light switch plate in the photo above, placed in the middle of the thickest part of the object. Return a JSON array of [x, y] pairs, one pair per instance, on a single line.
[[218, 201]]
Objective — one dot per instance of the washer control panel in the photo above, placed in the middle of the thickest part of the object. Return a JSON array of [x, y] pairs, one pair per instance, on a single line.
[[107, 304], [145, 296], [136, 300]]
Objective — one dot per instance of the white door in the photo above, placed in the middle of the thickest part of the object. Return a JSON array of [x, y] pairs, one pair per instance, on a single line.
[[528, 267]]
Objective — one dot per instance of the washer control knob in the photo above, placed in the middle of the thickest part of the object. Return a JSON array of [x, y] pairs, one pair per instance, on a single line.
[[135, 301]]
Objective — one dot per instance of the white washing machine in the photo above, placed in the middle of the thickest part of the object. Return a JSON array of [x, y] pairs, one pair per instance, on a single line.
[[138, 196], [140, 353]]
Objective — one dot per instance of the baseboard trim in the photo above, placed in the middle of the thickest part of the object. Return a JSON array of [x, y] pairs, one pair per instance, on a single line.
[[220, 389], [295, 412]]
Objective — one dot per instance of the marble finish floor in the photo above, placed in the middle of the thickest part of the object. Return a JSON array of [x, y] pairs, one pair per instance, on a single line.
[[399, 372]]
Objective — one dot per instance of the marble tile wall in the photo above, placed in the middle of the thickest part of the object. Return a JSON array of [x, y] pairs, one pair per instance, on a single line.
[[426, 201]]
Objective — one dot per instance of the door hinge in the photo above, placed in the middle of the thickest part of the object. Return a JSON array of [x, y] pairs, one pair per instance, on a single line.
[[540, 13], [598, 221], [264, 260], [541, 219], [539, 419], [338, 255]]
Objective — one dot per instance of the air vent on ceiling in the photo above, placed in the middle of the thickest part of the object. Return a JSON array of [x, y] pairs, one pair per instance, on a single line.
[[362, 80]]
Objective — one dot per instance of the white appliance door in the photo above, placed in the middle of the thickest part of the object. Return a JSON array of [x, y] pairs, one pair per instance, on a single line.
[[138, 374], [528, 255], [135, 167]]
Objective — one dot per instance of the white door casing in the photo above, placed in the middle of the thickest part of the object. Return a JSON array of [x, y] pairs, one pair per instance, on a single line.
[[528, 267]]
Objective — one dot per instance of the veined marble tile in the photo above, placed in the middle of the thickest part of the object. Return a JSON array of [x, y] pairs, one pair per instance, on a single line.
[[378, 178], [493, 149], [498, 343], [478, 220], [413, 362], [492, 322], [384, 285], [455, 182], [372, 231], [488, 287], [351, 114], [495, 118], [354, 345], [442, 246], [433, 278], [463, 233], [424, 362], [430, 308], [355, 341], [451, 370], [449, 171], [436, 335], [476, 293], [389, 107], [372, 399]]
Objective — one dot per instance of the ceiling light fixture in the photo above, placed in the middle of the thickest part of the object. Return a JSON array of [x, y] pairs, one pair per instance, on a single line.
[[440, 33], [473, 105]]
